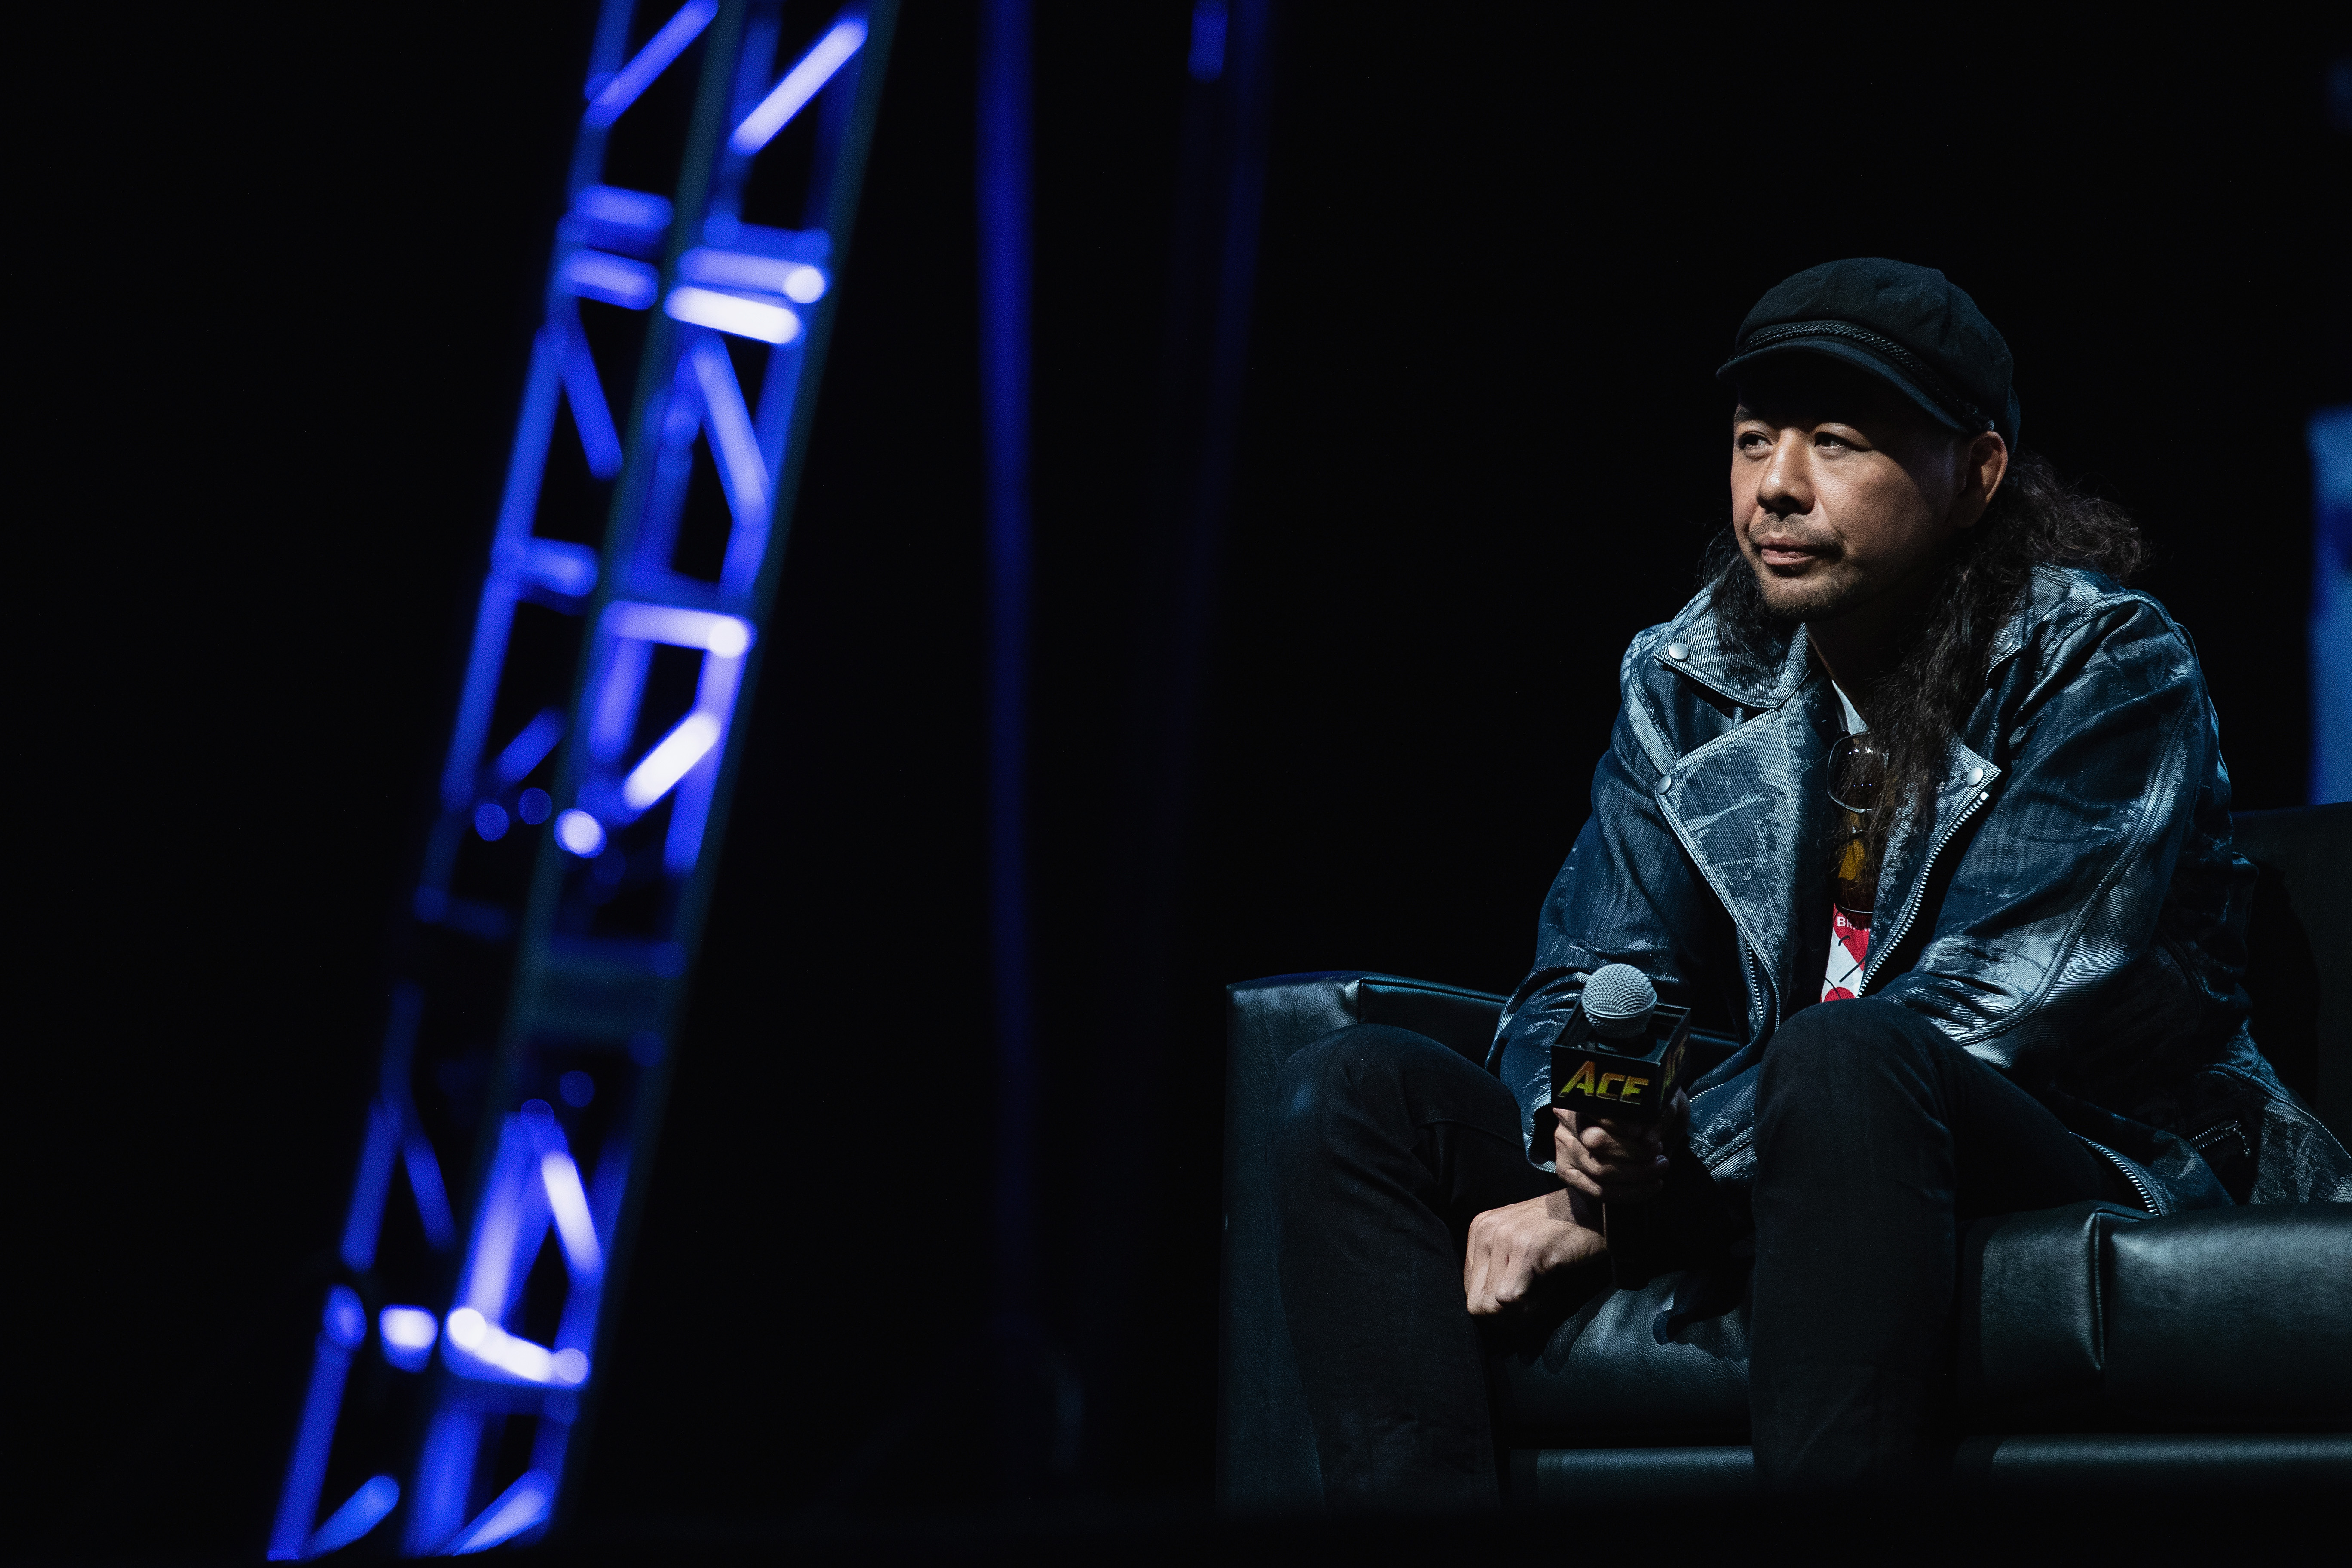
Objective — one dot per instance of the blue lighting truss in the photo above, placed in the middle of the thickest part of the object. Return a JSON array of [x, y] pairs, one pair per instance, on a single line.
[[2331, 606], [541, 972]]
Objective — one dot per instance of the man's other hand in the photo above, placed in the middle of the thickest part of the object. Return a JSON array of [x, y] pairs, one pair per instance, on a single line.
[[1510, 1246], [1616, 1162]]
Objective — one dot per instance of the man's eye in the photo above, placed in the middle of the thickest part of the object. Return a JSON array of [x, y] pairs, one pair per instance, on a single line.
[[1750, 439]]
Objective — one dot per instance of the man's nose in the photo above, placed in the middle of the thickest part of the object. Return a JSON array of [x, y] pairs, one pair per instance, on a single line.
[[1784, 487]]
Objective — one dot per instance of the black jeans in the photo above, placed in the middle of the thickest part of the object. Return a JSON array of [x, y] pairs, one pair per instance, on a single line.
[[1878, 1141]]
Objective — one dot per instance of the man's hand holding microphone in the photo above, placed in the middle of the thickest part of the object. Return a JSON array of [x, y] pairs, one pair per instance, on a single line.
[[1599, 1160]]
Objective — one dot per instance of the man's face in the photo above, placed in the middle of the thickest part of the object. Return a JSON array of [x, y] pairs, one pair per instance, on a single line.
[[1842, 493]]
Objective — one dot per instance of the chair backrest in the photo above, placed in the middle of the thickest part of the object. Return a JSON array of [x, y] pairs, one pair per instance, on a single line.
[[2299, 966]]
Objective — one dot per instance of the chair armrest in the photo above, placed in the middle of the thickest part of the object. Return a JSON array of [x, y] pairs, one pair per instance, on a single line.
[[2214, 1319]]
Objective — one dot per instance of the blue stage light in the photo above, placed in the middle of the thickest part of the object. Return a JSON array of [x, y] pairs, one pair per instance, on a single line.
[[732, 314], [342, 1326], [613, 710], [667, 762], [568, 1202], [366, 1215], [638, 212], [592, 416], [607, 218], [568, 571], [728, 636], [432, 1197], [407, 1335], [534, 806], [795, 280], [490, 821], [577, 1087], [1207, 60], [801, 83], [615, 281], [660, 50], [479, 1349], [360, 1513], [346, 1320], [2330, 435], [530, 748], [742, 471], [519, 1507], [468, 1328], [580, 833]]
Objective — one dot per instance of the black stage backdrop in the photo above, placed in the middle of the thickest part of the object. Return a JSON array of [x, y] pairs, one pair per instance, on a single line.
[[1479, 447]]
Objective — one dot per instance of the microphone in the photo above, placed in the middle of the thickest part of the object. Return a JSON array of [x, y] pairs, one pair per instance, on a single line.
[[1619, 1000], [1621, 1054]]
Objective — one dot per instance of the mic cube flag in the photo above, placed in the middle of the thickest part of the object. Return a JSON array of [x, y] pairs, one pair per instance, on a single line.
[[1621, 1056]]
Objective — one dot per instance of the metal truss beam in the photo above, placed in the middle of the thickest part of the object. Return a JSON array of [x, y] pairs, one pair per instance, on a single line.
[[566, 877]]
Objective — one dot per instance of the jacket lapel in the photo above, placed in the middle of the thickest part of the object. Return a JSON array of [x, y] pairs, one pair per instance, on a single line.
[[1748, 808]]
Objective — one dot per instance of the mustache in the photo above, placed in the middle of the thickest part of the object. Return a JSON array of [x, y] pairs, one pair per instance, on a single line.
[[1778, 535]]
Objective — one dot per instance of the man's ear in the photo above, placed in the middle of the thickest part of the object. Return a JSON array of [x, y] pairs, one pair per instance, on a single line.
[[1982, 468]]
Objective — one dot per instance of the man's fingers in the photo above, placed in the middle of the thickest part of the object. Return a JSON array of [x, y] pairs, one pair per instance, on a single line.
[[1483, 1262], [1508, 1271], [1496, 1264], [1609, 1160], [1606, 1138], [1474, 1263], [1626, 1179], [1583, 1183], [1508, 1285], [1579, 1159], [1473, 1289], [1491, 1289]]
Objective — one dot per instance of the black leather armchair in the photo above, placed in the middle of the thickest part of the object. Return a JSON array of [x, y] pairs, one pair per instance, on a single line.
[[2098, 1344]]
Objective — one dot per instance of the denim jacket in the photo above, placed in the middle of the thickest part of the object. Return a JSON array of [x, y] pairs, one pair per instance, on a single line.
[[2072, 911]]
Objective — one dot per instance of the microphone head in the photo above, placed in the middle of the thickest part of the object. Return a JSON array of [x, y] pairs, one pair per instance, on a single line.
[[1619, 999]]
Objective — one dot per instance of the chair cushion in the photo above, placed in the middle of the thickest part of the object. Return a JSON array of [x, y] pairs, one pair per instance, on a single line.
[[2087, 1318], [2032, 1325], [2232, 1317], [1604, 1374], [2213, 1320]]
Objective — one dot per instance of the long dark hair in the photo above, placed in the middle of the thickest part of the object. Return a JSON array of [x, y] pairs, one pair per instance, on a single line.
[[1925, 694]]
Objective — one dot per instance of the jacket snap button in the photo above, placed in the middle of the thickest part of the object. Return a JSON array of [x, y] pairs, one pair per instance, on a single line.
[[1674, 650], [1976, 776]]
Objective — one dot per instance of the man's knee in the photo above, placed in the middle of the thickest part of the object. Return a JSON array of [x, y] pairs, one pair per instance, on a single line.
[[1836, 1049], [1361, 1068]]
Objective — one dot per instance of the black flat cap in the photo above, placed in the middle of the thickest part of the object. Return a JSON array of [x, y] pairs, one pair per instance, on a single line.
[[1908, 326]]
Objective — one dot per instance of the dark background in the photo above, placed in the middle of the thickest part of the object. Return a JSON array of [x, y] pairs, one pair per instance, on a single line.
[[1479, 447]]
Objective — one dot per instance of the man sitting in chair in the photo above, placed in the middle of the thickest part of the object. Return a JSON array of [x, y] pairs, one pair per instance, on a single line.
[[1920, 790]]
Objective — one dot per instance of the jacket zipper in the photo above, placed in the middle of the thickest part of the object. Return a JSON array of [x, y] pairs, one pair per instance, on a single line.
[[1755, 990], [2146, 1198], [1911, 910]]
